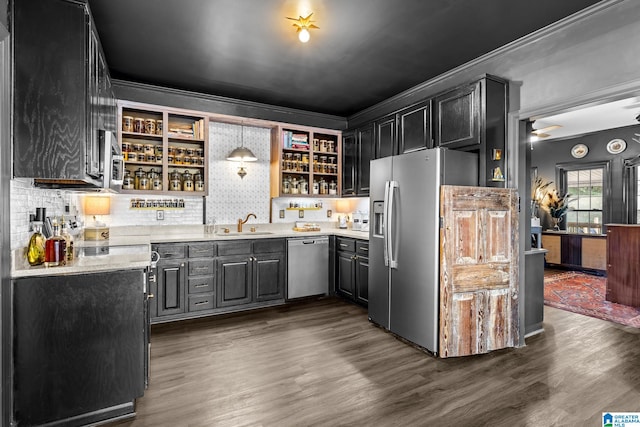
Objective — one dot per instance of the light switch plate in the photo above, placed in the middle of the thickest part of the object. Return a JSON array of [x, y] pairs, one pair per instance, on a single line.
[[329, 213], [300, 213], [281, 213], [160, 215]]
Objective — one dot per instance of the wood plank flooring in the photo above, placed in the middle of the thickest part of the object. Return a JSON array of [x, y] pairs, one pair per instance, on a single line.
[[322, 363]]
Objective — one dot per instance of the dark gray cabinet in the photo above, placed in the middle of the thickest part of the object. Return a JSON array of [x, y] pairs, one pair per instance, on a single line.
[[358, 150], [414, 128], [62, 94], [386, 137], [171, 287], [250, 271], [352, 269], [79, 347], [473, 117]]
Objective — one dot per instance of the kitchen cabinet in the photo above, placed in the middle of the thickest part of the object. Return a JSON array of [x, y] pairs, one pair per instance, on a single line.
[[623, 245], [79, 345], [250, 271], [163, 140], [352, 269], [201, 277], [386, 137], [473, 117], [62, 94], [359, 151], [171, 279], [414, 127], [575, 251], [306, 162]]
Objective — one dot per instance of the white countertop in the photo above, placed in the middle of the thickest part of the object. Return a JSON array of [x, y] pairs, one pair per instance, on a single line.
[[130, 247]]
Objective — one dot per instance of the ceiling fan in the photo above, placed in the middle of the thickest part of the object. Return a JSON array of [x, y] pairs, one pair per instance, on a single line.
[[542, 132]]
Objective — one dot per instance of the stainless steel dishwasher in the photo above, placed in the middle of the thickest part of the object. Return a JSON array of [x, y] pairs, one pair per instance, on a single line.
[[308, 267]]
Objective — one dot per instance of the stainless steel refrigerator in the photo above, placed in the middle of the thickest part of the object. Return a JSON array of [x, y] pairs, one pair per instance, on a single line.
[[404, 250]]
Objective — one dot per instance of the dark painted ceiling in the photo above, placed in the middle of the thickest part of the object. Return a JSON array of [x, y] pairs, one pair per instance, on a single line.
[[364, 52]]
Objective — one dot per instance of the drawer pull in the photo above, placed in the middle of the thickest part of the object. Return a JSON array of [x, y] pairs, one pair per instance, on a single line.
[[364, 249], [343, 245], [201, 268], [201, 302], [201, 285]]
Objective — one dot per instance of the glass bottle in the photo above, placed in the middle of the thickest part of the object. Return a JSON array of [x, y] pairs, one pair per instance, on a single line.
[[64, 233], [55, 248], [36, 248]]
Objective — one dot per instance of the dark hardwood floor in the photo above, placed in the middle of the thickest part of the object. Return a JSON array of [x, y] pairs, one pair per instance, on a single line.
[[322, 363]]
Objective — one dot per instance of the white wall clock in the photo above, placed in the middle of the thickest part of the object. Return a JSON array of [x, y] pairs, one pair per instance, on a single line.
[[616, 146], [579, 151]]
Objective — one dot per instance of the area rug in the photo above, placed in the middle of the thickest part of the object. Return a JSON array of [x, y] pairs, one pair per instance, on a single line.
[[585, 294]]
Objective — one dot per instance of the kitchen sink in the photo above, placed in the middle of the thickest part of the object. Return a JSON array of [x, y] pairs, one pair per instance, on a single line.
[[244, 233]]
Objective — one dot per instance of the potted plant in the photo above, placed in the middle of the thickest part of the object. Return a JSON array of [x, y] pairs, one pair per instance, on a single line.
[[557, 206]]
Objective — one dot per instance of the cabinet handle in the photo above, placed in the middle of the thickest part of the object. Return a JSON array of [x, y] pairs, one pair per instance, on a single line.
[[182, 265], [364, 249], [150, 296], [201, 285], [201, 268], [343, 245], [201, 302]]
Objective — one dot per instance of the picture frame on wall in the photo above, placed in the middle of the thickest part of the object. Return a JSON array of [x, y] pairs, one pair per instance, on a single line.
[[497, 154]]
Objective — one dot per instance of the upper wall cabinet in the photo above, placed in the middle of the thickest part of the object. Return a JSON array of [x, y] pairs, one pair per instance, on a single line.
[[386, 137], [359, 149], [414, 128], [474, 118], [62, 93]]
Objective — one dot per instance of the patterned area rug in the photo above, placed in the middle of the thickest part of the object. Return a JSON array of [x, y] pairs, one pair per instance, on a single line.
[[585, 294]]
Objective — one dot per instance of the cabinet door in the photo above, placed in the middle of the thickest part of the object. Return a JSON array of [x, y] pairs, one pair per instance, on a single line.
[[349, 150], [386, 137], [171, 288], [457, 117], [233, 281], [362, 280], [346, 285], [269, 276], [366, 150], [414, 128], [50, 97]]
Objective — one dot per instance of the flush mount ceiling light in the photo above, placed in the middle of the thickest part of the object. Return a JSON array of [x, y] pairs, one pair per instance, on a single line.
[[303, 25], [242, 154]]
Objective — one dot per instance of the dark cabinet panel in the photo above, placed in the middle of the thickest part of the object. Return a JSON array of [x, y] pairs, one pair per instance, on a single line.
[[79, 347], [270, 276], [415, 128], [233, 281], [346, 283], [571, 250], [349, 153], [386, 137], [171, 288], [60, 87], [362, 280], [623, 270], [365, 155], [458, 117]]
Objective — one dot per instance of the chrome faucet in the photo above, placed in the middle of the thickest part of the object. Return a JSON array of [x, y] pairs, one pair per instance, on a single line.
[[240, 221]]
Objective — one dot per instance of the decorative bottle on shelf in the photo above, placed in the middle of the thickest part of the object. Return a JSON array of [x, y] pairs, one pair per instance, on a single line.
[[55, 248], [36, 248], [64, 233]]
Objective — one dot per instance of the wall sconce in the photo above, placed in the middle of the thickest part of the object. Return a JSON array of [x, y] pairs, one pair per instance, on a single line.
[[242, 154], [303, 25]]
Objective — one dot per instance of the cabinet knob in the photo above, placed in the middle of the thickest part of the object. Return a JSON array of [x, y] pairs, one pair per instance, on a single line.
[[150, 296]]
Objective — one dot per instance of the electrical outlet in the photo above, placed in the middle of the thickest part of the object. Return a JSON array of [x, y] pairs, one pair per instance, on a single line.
[[281, 213], [300, 213], [329, 213], [160, 215]]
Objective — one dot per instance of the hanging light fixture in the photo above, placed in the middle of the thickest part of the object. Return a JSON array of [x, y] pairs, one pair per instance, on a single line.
[[303, 25], [242, 154]]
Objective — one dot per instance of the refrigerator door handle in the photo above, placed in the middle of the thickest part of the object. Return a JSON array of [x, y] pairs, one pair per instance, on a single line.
[[385, 229], [393, 262]]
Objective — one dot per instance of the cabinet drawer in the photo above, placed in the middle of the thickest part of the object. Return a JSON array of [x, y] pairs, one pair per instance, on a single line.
[[234, 248], [170, 251], [200, 302], [269, 246], [362, 247], [200, 267], [202, 250], [348, 245], [198, 285]]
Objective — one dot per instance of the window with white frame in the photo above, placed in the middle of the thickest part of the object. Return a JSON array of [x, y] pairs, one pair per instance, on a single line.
[[586, 187]]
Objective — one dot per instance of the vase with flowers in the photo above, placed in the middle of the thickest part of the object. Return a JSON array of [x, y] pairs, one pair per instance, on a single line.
[[557, 206]]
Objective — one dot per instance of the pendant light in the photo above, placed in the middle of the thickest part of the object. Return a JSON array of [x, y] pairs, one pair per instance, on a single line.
[[242, 154]]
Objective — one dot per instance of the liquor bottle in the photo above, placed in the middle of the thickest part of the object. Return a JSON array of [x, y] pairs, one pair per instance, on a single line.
[[36, 248], [55, 248], [64, 233]]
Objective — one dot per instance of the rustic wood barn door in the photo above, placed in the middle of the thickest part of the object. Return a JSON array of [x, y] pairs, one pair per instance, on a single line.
[[478, 270]]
